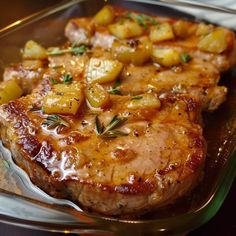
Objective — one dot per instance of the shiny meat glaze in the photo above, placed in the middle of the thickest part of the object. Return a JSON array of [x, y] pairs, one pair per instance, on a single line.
[[169, 141], [162, 156]]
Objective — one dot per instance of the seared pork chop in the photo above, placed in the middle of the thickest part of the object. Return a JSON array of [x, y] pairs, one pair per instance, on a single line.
[[161, 158]]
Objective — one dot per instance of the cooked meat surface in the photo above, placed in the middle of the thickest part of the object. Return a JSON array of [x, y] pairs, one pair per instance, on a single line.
[[112, 119]]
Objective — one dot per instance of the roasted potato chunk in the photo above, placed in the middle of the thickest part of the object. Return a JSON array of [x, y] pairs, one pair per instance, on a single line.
[[105, 16], [144, 101], [215, 42], [161, 32], [183, 29], [126, 29], [97, 96], [63, 99], [136, 52], [9, 90], [166, 56], [103, 71], [33, 50], [204, 29]]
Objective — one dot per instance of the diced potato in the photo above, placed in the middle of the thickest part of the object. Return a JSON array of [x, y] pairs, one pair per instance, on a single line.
[[58, 104], [33, 50], [215, 42], [32, 64], [105, 16], [166, 56], [103, 71], [161, 32], [68, 89], [3, 97], [136, 52], [97, 96], [9, 90], [204, 29], [144, 101], [126, 29], [183, 29], [63, 99]]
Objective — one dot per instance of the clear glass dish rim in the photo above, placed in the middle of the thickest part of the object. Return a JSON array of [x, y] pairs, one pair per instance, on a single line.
[[220, 190]]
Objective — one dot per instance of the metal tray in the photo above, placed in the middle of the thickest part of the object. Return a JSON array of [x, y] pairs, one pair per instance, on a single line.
[[24, 204]]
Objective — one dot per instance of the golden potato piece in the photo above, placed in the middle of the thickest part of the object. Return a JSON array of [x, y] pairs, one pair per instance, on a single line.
[[144, 101], [161, 32], [166, 56], [105, 16], [33, 50], [215, 42], [9, 90], [97, 96], [63, 99], [126, 29], [136, 52], [103, 71]]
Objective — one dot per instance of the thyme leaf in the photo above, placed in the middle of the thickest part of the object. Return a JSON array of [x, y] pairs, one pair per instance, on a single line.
[[67, 78], [185, 57], [74, 49], [138, 97], [109, 131], [115, 89], [53, 121], [142, 19]]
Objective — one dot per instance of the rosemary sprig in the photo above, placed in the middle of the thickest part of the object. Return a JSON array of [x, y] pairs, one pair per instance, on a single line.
[[74, 49], [115, 89], [110, 131], [53, 121], [67, 78]]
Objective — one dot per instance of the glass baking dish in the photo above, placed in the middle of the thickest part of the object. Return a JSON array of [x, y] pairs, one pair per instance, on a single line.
[[24, 204]]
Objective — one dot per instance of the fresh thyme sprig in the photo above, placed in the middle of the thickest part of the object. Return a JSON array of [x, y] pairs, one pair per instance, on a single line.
[[53, 121], [115, 89], [74, 49], [142, 19], [67, 78], [110, 131]]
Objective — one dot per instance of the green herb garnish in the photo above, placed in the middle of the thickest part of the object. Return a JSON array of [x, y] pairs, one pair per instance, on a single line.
[[53, 81], [185, 57], [74, 49], [115, 89], [67, 78], [138, 97], [142, 19], [53, 121], [110, 131]]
